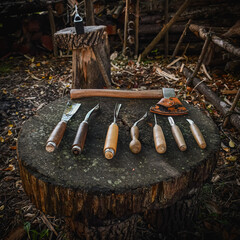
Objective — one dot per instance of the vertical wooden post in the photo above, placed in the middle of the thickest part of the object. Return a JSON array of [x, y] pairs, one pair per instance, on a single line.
[[53, 27], [166, 35], [180, 39], [125, 27], [89, 13], [200, 59], [137, 28]]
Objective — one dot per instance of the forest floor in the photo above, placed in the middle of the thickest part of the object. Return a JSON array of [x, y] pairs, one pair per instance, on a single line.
[[28, 84]]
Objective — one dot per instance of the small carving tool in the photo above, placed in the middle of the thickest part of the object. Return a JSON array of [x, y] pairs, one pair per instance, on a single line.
[[158, 136], [177, 134], [135, 145], [58, 132], [197, 134], [79, 141], [110, 146]]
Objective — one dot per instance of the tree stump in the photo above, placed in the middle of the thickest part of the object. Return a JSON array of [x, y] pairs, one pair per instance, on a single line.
[[90, 55], [104, 199]]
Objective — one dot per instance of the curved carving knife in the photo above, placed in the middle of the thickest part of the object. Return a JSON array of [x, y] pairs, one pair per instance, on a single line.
[[135, 145], [79, 141], [57, 133]]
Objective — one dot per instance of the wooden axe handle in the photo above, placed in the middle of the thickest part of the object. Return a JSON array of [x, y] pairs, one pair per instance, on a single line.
[[82, 93]]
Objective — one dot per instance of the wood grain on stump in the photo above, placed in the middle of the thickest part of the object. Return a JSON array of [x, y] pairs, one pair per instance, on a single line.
[[85, 47], [105, 198]]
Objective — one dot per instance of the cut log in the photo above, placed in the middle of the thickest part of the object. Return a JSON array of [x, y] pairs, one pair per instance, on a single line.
[[155, 28], [118, 10], [104, 199], [202, 33], [90, 69], [166, 39], [220, 105], [125, 27], [234, 31], [137, 27], [165, 29]]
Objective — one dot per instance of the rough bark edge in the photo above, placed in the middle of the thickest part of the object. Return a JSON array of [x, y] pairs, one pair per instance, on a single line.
[[201, 32], [61, 201], [70, 40]]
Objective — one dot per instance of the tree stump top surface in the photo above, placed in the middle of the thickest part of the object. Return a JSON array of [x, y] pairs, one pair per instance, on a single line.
[[90, 171], [68, 39]]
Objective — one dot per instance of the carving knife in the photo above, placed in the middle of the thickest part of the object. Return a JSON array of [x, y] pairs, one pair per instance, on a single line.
[[58, 132], [158, 136], [110, 146], [177, 134], [79, 141], [135, 145], [197, 134]]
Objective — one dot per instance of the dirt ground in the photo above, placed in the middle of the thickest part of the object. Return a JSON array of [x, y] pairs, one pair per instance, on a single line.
[[28, 84]]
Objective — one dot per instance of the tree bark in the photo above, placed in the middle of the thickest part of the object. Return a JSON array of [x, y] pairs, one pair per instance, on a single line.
[[202, 33], [165, 29], [89, 13]]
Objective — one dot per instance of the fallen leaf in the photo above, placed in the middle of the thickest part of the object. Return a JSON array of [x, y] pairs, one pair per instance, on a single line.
[[212, 207], [1, 139], [224, 147], [215, 178], [9, 168], [9, 132], [1, 207], [231, 158], [231, 144]]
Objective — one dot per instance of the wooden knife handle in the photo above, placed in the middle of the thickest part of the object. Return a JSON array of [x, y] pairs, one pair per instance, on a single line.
[[135, 145], [198, 136], [177, 134], [79, 141], [56, 136], [159, 139], [110, 146]]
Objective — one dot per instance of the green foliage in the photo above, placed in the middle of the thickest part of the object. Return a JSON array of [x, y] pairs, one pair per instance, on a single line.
[[4, 68], [34, 234]]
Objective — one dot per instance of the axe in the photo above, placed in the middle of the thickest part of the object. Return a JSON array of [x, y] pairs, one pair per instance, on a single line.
[[147, 94]]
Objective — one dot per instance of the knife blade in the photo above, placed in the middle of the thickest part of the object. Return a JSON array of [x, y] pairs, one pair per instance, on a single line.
[[58, 132]]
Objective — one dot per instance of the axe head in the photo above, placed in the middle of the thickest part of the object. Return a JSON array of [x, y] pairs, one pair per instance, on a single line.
[[169, 105]]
